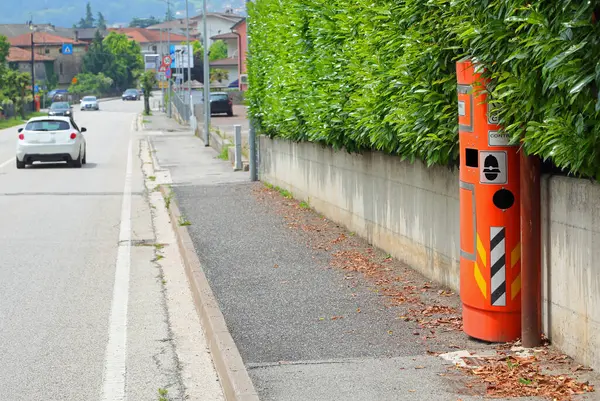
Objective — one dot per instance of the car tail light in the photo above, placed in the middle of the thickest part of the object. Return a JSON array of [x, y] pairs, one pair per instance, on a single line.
[[21, 136], [73, 135]]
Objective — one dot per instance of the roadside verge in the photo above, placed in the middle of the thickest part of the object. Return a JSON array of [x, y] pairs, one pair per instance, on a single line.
[[236, 383]]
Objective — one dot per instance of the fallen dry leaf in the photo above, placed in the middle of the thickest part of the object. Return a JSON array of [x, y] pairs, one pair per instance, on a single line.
[[515, 376]]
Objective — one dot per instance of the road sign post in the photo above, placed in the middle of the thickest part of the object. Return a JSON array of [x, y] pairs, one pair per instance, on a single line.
[[67, 48]]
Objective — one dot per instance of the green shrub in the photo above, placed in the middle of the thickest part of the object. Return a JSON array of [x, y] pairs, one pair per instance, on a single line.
[[381, 74]]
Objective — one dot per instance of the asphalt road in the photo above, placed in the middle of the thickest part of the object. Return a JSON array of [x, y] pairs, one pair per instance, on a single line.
[[84, 307]]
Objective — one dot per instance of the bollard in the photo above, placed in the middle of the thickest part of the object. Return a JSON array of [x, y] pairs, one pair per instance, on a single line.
[[238, 147]]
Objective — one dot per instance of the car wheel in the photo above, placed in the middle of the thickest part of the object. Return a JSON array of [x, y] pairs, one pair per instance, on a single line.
[[20, 165], [84, 160], [77, 163], [230, 113]]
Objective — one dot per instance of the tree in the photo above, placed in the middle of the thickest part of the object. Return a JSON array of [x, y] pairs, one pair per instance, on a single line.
[[101, 22], [147, 81], [143, 22], [198, 49], [218, 75], [128, 59], [92, 84], [4, 49], [218, 50], [89, 20], [98, 58], [15, 89]]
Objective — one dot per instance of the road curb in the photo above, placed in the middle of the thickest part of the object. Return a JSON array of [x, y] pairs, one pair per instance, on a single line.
[[235, 380]]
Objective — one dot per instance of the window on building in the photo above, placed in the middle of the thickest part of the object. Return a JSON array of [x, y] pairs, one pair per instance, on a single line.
[[47, 51], [154, 48], [60, 68]]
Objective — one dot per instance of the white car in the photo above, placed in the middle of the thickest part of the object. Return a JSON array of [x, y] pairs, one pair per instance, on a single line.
[[89, 103], [51, 139]]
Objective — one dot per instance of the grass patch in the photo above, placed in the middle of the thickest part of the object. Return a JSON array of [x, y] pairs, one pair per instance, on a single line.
[[284, 192], [152, 178], [168, 198], [158, 257], [163, 393], [145, 121], [269, 186], [183, 222], [224, 155], [304, 205]]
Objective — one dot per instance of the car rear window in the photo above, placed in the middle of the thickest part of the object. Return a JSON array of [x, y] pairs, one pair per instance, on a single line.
[[89, 99], [219, 97], [59, 105], [47, 125]]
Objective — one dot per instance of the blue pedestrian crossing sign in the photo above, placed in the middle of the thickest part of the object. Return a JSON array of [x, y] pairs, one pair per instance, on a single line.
[[67, 48]]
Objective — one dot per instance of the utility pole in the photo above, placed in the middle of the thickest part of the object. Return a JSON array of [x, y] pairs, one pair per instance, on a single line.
[[162, 54], [206, 78], [189, 68], [251, 130], [169, 110], [32, 28]]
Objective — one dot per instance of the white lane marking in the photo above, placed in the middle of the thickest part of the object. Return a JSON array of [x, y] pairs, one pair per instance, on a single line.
[[116, 349], [6, 163]]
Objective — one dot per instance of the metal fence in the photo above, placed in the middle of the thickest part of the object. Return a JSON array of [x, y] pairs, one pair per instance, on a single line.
[[182, 107], [8, 109]]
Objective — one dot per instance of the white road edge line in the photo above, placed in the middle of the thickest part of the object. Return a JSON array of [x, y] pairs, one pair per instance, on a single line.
[[6, 163], [116, 349]]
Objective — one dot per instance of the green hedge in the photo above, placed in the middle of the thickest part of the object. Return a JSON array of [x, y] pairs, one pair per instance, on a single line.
[[380, 74]]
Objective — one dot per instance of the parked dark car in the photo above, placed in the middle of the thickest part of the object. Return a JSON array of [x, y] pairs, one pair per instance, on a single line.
[[131, 94], [221, 103], [60, 109]]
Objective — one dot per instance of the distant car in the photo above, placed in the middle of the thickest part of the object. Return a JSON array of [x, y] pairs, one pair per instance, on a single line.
[[221, 103], [131, 94], [60, 109], [89, 103], [51, 139], [54, 92]]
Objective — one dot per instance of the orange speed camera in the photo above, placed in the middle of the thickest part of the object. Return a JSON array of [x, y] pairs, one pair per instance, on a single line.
[[490, 249]]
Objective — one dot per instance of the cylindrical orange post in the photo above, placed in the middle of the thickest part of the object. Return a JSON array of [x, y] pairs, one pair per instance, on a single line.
[[490, 251]]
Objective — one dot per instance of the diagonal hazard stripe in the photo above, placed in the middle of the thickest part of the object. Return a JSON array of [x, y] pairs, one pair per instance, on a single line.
[[515, 255], [481, 251], [498, 237], [480, 280], [497, 266], [515, 287]]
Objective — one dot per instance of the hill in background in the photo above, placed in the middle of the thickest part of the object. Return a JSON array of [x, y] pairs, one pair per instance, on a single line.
[[68, 12]]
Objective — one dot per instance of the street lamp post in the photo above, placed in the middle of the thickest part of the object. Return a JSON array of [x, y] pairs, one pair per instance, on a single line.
[[187, 34], [206, 78], [32, 28], [251, 130]]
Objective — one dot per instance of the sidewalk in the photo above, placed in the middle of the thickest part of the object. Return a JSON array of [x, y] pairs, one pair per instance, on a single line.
[[316, 313]]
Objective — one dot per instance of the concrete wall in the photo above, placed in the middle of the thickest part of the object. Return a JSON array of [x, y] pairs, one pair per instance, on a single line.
[[406, 209], [412, 212], [571, 266]]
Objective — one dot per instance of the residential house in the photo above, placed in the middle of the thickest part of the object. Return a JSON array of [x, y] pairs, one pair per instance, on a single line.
[[217, 23], [86, 35], [231, 62], [12, 30], [235, 63], [66, 66], [151, 41], [179, 27], [20, 60], [240, 29]]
